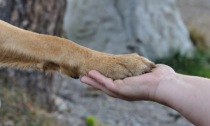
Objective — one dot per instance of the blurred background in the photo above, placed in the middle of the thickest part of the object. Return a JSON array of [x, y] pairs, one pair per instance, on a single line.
[[166, 31]]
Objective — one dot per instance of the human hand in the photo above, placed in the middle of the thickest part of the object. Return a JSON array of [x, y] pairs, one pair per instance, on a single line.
[[143, 87], [188, 95]]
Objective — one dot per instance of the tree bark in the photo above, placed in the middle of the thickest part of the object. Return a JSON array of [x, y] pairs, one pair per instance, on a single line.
[[152, 28], [42, 16]]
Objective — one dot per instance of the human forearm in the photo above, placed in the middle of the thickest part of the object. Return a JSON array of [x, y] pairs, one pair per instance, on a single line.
[[188, 95]]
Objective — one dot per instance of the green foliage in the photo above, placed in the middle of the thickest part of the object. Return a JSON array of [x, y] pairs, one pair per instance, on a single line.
[[93, 121], [17, 108], [198, 65]]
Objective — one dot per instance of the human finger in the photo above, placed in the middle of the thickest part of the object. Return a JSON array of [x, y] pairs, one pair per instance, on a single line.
[[91, 82]]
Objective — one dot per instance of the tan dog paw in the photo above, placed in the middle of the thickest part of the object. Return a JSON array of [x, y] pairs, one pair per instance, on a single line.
[[118, 66]]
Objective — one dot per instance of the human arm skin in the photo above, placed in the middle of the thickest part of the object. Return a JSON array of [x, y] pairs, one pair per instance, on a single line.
[[188, 95]]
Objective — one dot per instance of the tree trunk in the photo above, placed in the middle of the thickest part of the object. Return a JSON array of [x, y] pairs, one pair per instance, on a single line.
[[42, 16], [152, 28]]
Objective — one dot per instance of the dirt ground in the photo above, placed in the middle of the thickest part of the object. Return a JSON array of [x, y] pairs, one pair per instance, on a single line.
[[196, 15]]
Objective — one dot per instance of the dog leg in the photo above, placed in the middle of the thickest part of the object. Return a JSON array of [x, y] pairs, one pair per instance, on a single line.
[[24, 49]]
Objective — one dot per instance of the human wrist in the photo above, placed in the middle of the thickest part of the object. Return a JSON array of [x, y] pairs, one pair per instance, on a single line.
[[169, 88]]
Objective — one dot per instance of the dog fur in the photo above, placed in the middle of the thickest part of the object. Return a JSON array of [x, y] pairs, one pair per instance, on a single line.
[[24, 49]]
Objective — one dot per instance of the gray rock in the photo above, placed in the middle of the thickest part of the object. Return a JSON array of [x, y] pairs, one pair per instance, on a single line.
[[60, 104], [152, 28]]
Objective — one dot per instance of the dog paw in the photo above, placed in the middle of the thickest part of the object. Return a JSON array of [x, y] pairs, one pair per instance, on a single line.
[[118, 66]]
